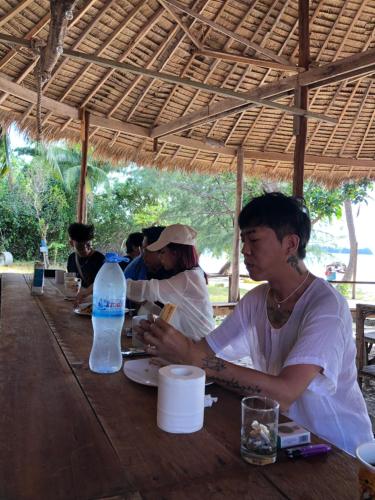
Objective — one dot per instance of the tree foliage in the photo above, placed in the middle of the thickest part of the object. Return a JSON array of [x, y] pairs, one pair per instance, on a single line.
[[41, 201]]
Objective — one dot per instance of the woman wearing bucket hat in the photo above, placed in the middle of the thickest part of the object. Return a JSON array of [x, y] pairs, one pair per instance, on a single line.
[[187, 289]]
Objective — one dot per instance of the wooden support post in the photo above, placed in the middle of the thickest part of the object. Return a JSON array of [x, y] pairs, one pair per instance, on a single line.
[[234, 288], [81, 204], [301, 96]]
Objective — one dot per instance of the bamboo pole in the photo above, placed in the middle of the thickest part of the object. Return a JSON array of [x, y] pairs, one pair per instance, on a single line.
[[301, 98], [81, 203], [234, 288]]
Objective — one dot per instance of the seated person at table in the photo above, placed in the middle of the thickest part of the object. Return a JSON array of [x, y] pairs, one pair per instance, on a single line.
[[147, 265], [84, 261], [187, 288], [133, 248], [296, 328]]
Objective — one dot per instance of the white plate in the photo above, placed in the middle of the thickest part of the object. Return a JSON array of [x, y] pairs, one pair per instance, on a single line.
[[78, 310], [143, 372]]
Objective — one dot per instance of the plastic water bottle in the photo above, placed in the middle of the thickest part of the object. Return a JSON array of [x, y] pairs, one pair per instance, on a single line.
[[108, 314]]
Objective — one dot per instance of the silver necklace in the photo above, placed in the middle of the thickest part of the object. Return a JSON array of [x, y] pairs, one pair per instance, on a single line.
[[279, 302]]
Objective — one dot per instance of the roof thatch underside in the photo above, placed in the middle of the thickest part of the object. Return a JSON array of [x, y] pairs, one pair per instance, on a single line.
[[126, 109]]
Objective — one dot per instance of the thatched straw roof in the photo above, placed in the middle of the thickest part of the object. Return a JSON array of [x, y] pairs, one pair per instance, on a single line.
[[214, 48]]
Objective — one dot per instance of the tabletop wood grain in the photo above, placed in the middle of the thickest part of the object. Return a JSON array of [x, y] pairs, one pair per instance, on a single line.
[[69, 433]]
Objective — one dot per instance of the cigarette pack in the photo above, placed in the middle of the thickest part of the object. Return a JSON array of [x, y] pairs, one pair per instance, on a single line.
[[292, 434]]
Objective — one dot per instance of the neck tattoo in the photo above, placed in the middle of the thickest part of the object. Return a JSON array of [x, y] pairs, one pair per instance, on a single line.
[[279, 302]]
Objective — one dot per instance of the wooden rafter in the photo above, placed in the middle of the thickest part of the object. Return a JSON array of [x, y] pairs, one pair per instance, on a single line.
[[13, 12], [224, 114], [181, 24], [173, 79], [277, 89], [62, 109], [358, 113], [187, 68], [316, 94], [30, 35], [264, 79], [104, 47], [61, 65], [240, 96], [230, 34], [251, 61]]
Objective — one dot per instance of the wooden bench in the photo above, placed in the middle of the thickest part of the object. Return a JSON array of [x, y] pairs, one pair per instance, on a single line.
[[223, 308]]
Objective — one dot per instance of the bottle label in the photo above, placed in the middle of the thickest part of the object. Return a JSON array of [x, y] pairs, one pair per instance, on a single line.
[[104, 308]]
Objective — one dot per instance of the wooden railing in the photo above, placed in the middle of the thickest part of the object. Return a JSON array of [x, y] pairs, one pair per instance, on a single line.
[[353, 283]]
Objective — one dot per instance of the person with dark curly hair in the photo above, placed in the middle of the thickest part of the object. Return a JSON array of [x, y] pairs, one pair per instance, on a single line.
[[84, 261]]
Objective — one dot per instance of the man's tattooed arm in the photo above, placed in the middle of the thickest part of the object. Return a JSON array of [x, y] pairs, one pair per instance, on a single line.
[[218, 365], [213, 363], [246, 390], [293, 261]]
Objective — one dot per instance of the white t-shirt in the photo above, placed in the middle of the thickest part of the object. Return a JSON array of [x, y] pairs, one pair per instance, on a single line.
[[318, 332], [188, 290]]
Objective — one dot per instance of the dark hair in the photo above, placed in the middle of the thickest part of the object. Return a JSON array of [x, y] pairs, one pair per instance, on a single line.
[[81, 232], [187, 256], [133, 240], [284, 214], [152, 233]]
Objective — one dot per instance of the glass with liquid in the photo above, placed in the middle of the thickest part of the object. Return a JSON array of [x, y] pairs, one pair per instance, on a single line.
[[260, 418]]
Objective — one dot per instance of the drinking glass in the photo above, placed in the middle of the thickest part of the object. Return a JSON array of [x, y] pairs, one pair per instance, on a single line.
[[260, 417], [72, 286]]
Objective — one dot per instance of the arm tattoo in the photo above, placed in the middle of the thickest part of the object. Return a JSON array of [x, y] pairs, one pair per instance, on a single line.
[[293, 261], [213, 363], [235, 385]]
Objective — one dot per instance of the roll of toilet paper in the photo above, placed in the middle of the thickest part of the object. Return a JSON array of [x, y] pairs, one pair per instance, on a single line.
[[181, 398]]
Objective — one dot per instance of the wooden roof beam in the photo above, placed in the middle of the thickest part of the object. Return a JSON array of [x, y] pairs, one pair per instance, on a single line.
[[251, 61], [357, 115], [342, 69], [61, 109], [279, 13], [181, 23], [201, 7], [239, 96], [13, 12], [34, 31], [230, 34]]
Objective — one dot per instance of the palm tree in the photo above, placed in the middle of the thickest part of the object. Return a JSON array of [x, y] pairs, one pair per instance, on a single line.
[[5, 164], [63, 163]]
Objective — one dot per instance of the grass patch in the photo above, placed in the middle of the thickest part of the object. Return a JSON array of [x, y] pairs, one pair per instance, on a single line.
[[219, 294]]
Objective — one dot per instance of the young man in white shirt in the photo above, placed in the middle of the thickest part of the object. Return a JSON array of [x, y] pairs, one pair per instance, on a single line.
[[296, 328]]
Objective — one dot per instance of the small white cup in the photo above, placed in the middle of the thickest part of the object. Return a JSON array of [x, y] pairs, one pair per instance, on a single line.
[[135, 321], [366, 471]]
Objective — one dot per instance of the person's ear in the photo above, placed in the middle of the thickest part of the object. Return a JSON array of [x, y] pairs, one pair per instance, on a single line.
[[291, 244], [71, 242]]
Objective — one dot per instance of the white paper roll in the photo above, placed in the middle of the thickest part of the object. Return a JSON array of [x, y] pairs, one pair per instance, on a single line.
[[181, 398]]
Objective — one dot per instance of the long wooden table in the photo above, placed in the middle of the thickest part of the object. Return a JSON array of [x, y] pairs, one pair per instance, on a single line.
[[68, 433]]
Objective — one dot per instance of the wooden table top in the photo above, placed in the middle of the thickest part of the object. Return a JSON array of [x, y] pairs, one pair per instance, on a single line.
[[68, 433]]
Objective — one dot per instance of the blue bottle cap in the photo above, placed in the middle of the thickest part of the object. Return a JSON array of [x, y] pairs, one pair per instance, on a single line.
[[114, 257]]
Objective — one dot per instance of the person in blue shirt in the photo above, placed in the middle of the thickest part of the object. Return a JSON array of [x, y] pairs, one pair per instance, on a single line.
[[133, 249], [147, 265]]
